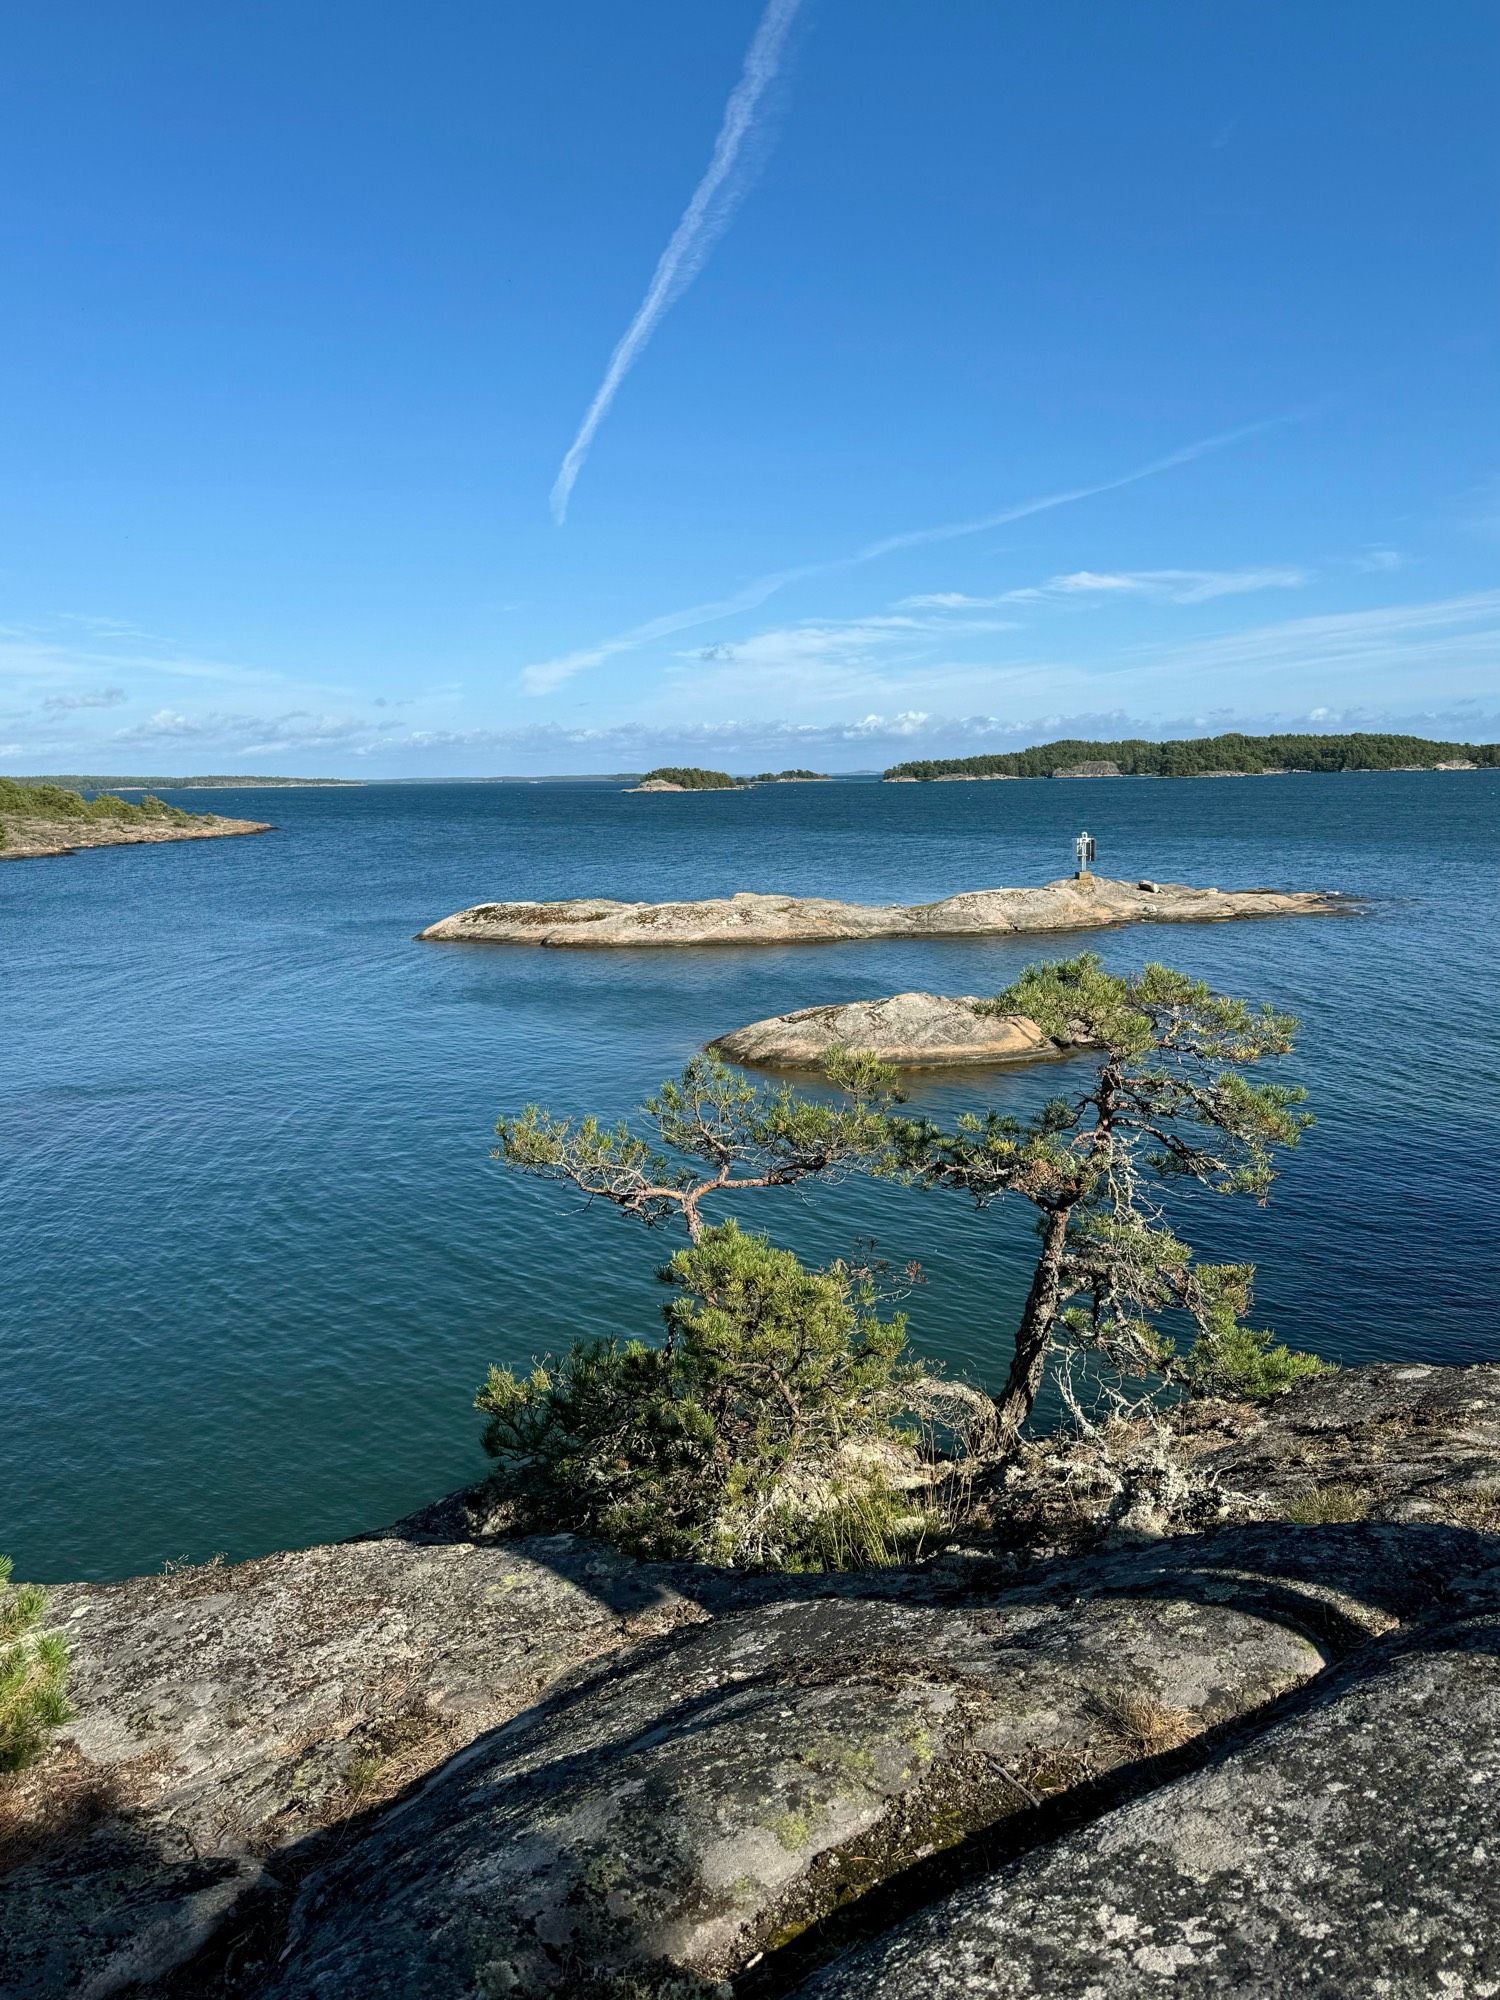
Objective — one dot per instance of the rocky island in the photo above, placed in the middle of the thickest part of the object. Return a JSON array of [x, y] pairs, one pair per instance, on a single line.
[[911, 1030], [691, 778], [687, 778], [1073, 903], [38, 820], [1225, 1721]]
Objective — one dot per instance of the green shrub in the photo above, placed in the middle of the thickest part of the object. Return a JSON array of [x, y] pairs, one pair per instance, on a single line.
[[33, 1669], [57, 802], [1228, 1358], [763, 1432]]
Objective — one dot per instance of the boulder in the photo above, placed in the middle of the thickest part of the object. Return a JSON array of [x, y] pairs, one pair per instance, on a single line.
[[913, 1030], [1073, 903], [1347, 1849]]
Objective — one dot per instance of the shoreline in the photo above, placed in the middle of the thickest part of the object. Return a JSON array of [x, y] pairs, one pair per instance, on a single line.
[[48, 840]]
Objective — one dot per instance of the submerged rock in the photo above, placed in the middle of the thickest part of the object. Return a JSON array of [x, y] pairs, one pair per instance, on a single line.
[[913, 1030], [1072, 903]]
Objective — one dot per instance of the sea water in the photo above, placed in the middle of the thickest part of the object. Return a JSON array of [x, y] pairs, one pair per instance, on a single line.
[[255, 1256]]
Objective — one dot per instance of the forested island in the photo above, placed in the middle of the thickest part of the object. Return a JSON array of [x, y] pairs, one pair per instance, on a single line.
[[693, 778], [44, 819], [1231, 755], [686, 778]]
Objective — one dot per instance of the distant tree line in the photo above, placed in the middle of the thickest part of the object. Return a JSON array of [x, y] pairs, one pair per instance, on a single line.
[[1192, 757], [78, 781]]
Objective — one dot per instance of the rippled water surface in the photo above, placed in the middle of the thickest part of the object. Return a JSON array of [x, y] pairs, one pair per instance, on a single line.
[[255, 1254]]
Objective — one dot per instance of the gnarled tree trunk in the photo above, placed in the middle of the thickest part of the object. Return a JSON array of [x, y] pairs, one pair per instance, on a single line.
[[1034, 1334]]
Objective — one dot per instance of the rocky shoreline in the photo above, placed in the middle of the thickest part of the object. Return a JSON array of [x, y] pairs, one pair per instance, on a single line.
[[34, 839], [1072, 903], [1219, 1712]]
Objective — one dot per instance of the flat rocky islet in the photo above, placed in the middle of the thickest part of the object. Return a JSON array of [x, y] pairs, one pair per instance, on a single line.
[[911, 1030], [1232, 1729], [1073, 903]]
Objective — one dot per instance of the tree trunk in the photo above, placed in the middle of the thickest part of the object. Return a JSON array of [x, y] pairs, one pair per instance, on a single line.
[[1034, 1334]]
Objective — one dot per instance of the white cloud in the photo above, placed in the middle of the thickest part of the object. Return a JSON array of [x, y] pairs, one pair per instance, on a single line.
[[544, 676], [877, 736], [251, 735], [1168, 586], [1378, 561], [108, 697], [948, 600], [1417, 640], [1180, 586]]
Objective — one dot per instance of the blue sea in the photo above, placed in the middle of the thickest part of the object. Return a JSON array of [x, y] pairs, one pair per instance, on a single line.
[[255, 1254]]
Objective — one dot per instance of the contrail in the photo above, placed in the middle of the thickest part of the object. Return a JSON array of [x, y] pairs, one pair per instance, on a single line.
[[546, 675], [704, 221]]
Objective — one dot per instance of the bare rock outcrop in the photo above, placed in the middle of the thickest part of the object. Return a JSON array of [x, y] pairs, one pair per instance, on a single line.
[[28, 839], [1390, 1442], [912, 1030], [432, 1762], [678, 1814], [227, 1714], [1346, 1850], [1073, 903]]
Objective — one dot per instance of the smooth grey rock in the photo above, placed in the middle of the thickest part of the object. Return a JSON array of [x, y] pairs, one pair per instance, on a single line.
[[686, 1807], [1405, 1442], [914, 1030], [663, 1770], [1349, 1850], [1072, 903], [225, 1713]]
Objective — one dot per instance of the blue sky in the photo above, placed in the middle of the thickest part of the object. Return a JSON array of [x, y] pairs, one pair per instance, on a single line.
[[305, 306]]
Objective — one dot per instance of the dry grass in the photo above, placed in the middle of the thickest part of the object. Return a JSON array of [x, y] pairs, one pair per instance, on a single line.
[[1321, 1504], [1142, 1720]]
